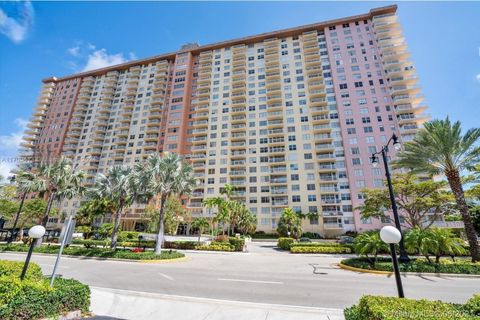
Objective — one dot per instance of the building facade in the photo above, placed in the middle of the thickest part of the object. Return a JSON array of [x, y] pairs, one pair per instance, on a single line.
[[290, 118]]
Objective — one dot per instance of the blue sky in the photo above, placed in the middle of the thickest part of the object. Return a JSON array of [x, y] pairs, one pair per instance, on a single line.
[[43, 39]]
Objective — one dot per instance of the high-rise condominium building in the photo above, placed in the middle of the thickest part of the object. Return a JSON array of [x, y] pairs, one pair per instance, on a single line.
[[289, 117]]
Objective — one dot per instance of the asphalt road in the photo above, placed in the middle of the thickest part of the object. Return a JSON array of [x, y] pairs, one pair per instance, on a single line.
[[262, 275]]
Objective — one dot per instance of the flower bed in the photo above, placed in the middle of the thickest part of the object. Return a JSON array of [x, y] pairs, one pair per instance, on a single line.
[[33, 298], [417, 265], [97, 252]]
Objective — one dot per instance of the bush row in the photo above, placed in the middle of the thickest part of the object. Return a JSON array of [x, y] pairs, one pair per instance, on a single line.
[[33, 298], [97, 252], [320, 249], [284, 243], [216, 246], [417, 265], [389, 308]]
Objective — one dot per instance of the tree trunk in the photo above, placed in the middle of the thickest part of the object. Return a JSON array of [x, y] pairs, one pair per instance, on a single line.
[[161, 231], [113, 243], [455, 183], [199, 235], [47, 209], [45, 216]]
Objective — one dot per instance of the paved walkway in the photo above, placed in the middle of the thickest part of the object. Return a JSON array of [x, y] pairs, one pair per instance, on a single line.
[[125, 304]]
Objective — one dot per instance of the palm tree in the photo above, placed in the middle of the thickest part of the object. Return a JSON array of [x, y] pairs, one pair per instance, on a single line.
[[369, 243], [290, 224], [58, 180], [116, 187], [440, 148], [200, 224], [163, 177], [223, 212]]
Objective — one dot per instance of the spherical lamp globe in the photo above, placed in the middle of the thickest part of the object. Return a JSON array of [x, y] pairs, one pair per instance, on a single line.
[[36, 232], [390, 235]]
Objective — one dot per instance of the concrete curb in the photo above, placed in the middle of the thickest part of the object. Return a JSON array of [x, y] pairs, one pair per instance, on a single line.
[[420, 274], [105, 259]]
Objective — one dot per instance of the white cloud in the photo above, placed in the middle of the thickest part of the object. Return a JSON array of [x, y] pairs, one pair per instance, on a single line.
[[101, 59], [16, 28], [12, 141], [9, 145], [478, 77], [74, 51]]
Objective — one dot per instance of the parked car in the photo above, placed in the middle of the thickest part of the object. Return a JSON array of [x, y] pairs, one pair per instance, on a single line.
[[346, 240], [304, 240]]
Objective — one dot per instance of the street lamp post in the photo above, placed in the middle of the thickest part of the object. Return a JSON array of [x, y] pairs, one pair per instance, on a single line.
[[374, 159], [35, 232], [392, 236]]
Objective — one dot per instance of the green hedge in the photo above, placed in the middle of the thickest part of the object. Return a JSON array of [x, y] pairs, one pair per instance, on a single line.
[[417, 265], [216, 246], [33, 298], [390, 308], [97, 252], [89, 243], [315, 244], [319, 249], [181, 245], [237, 243], [284, 243], [14, 268]]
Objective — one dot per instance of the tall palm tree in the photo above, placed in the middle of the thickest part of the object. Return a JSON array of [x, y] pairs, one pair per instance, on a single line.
[[440, 148], [27, 182], [57, 180], [117, 187], [223, 212], [163, 177]]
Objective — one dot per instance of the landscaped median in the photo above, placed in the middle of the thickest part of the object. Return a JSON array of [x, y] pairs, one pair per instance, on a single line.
[[221, 243], [416, 265], [97, 252], [390, 308], [312, 247], [33, 298]]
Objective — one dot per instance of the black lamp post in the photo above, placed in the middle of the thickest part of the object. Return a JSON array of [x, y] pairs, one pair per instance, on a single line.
[[35, 233], [392, 236], [14, 233], [374, 159]]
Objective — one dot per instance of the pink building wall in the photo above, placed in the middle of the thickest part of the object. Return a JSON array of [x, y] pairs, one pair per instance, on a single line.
[[365, 36]]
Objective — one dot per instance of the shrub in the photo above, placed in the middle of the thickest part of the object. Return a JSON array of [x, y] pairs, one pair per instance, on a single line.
[[311, 235], [473, 305], [221, 238], [319, 249], [98, 252], [263, 235], [417, 265], [216, 246], [316, 244], [237, 243], [129, 236], [14, 269], [181, 245], [390, 308], [33, 298], [91, 243], [284, 243], [141, 244]]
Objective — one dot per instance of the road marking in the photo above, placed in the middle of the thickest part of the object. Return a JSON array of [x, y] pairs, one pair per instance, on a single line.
[[251, 281], [166, 276]]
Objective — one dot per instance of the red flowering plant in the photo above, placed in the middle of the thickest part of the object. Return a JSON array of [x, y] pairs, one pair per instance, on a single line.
[[137, 250]]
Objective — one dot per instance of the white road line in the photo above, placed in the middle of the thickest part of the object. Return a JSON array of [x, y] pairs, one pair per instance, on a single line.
[[166, 276], [251, 281]]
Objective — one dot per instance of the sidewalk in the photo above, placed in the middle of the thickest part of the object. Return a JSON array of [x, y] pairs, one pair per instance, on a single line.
[[132, 305]]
